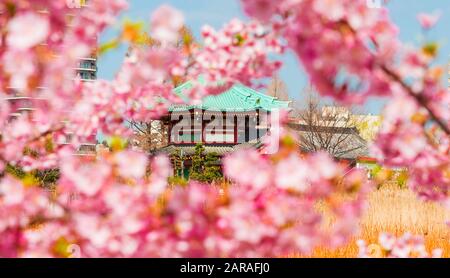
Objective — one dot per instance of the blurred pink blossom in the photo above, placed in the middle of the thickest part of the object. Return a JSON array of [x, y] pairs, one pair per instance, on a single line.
[[27, 30], [166, 23], [427, 21]]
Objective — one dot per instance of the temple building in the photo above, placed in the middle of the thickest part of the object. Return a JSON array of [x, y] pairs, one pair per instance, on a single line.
[[238, 118]]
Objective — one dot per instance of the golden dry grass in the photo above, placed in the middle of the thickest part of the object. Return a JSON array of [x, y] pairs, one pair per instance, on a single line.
[[397, 211]]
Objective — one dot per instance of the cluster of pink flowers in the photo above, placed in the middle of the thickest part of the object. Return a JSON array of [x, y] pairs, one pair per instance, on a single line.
[[37, 63], [406, 246], [101, 206], [118, 203], [332, 40], [428, 20], [302, 181], [404, 142], [350, 52], [109, 210], [236, 54], [22, 206], [107, 205]]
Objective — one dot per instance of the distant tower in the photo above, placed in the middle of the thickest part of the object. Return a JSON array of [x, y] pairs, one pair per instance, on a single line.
[[86, 70]]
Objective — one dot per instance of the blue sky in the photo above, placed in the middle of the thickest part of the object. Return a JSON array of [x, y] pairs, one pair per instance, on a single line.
[[217, 12]]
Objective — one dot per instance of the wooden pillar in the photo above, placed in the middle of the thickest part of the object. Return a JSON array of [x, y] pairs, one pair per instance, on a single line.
[[224, 124], [257, 124], [191, 114], [247, 128], [235, 122], [169, 132], [203, 127]]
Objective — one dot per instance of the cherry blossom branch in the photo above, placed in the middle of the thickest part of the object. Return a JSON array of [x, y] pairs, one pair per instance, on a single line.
[[418, 97], [421, 100]]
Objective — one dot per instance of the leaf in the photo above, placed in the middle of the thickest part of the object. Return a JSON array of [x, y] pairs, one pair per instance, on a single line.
[[107, 46], [431, 49], [49, 146], [239, 40], [116, 143]]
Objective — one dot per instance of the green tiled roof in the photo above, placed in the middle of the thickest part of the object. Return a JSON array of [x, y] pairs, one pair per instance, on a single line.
[[238, 98]]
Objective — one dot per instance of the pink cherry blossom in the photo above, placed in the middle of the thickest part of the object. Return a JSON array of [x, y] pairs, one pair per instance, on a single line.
[[12, 192], [427, 21], [248, 169], [166, 23], [235, 54], [131, 164], [330, 8], [354, 52], [87, 178], [21, 66], [293, 173], [261, 9], [20, 205], [325, 167], [406, 246]]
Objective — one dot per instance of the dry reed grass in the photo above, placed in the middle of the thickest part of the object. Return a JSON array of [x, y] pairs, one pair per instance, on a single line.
[[396, 211]]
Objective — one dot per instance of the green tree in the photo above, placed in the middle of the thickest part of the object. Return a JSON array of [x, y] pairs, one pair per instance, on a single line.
[[178, 163], [44, 178], [197, 160], [212, 170], [205, 168]]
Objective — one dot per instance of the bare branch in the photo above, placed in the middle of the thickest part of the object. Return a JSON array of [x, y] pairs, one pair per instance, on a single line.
[[326, 127]]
